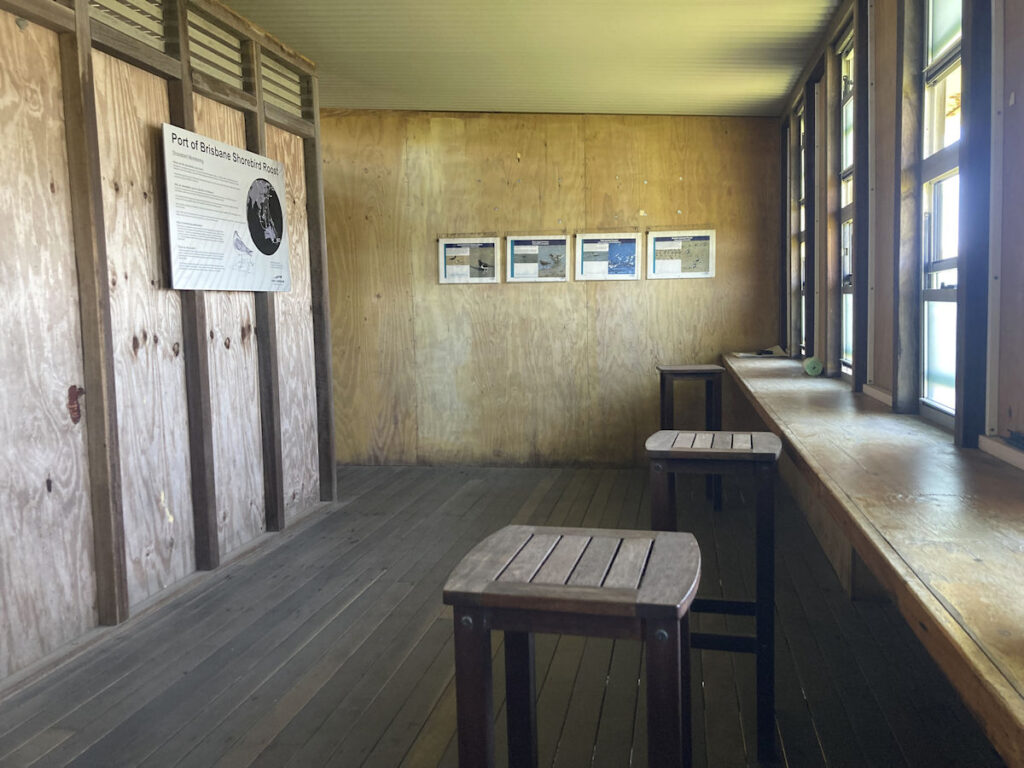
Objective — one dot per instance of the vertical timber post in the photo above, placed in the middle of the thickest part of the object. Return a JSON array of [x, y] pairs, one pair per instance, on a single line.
[[266, 318], [318, 270], [94, 302], [193, 324]]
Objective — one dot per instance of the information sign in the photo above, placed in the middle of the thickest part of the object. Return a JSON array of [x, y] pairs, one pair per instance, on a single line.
[[225, 216]]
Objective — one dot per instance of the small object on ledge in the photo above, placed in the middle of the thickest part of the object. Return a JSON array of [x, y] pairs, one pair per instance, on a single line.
[[813, 366], [775, 351]]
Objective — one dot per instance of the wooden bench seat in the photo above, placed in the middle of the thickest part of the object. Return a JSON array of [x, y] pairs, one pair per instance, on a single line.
[[941, 528]]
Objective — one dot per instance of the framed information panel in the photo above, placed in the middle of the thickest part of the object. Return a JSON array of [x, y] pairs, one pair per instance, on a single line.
[[468, 259], [608, 257], [225, 216], [537, 258], [689, 253]]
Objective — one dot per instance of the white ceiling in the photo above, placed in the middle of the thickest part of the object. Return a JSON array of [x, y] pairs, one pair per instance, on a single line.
[[709, 57]]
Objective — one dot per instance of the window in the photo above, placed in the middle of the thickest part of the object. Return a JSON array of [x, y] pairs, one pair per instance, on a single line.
[[802, 234], [940, 203], [846, 202]]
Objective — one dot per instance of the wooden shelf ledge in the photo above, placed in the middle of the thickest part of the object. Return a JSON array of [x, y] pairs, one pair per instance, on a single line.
[[941, 528]]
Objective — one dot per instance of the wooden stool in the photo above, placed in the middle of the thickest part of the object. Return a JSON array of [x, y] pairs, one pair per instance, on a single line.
[[712, 377], [756, 453], [582, 581]]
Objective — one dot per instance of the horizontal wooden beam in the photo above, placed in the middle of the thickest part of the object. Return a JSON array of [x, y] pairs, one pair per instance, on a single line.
[[46, 14], [219, 91], [126, 47], [286, 121]]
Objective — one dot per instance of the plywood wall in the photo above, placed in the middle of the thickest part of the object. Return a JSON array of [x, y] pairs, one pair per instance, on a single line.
[[146, 330], [533, 373], [234, 379], [47, 578], [49, 589], [365, 164], [1011, 301], [296, 373]]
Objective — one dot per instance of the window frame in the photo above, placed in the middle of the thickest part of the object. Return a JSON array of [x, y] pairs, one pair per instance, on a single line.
[[936, 166], [800, 120], [845, 50]]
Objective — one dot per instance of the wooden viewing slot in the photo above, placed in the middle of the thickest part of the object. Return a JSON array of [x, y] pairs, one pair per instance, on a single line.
[[216, 68], [213, 36], [137, 20], [224, 16], [229, 56], [289, 100], [118, 44]]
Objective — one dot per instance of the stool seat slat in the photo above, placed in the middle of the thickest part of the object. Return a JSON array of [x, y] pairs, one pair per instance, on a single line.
[[531, 557], [722, 441], [595, 562], [562, 560], [765, 443], [683, 439], [487, 559], [667, 567], [629, 564], [703, 440]]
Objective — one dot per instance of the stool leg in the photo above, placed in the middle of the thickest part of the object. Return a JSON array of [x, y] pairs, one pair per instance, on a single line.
[[685, 683], [663, 497], [765, 612], [667, 401], [713, 423], [520, 700], [473, 690], [668, 690]]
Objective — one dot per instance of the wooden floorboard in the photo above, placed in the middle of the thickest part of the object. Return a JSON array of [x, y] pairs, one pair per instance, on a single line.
[[276, 674], [312, 735], [233, 650], [329, 645], [162, 645]]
